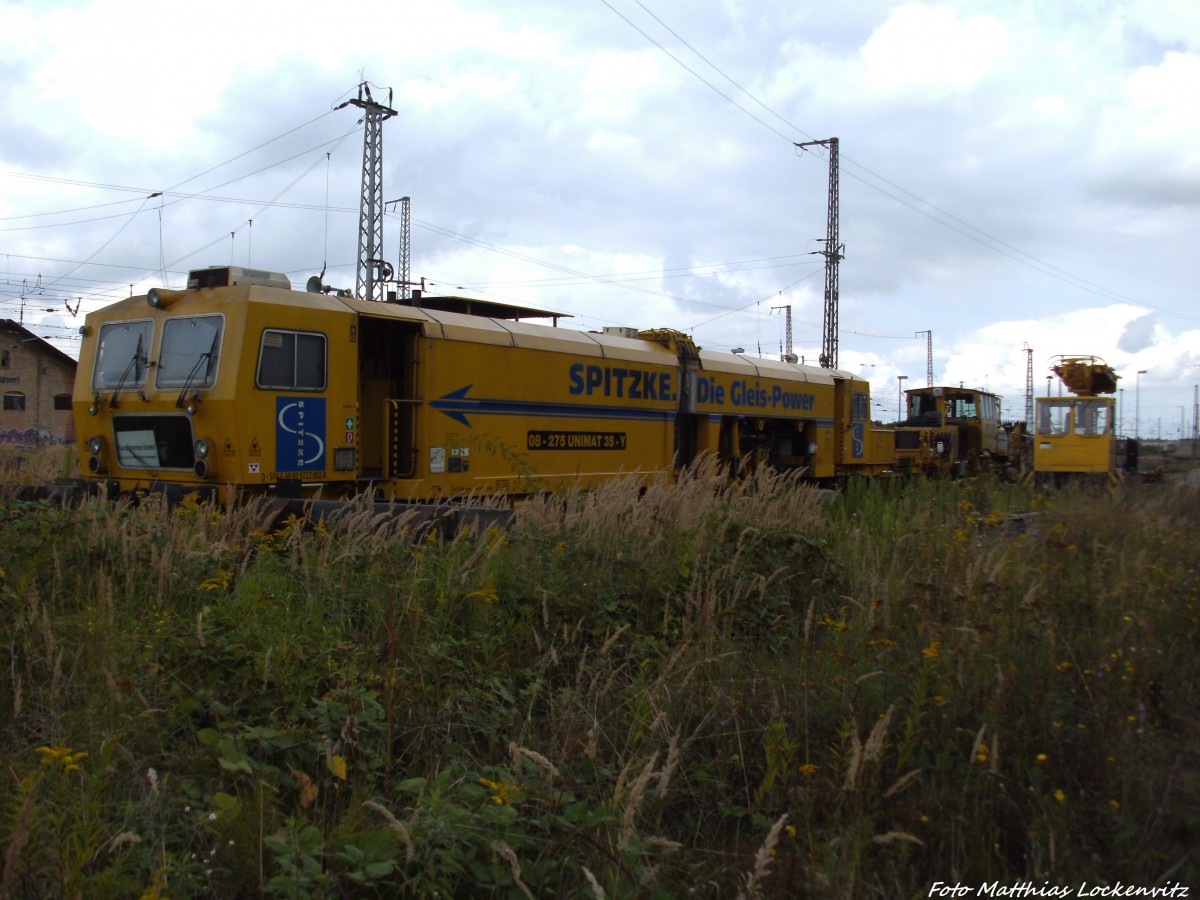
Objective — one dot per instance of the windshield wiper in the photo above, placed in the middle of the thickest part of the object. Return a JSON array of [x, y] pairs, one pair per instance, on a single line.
[[137, 357], [205, 357]]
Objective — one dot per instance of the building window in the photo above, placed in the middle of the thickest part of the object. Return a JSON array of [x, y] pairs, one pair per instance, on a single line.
[[62, 401], [3, 359], [14, 401]]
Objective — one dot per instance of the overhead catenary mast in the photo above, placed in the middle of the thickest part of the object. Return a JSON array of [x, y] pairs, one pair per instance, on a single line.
[[833, 254], [372, 268], [787, 355], [1028, 387], [405, 247], [928, 357]]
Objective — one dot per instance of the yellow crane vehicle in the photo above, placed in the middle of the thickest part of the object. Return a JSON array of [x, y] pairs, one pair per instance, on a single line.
[[958, 431], [1076, 437], [240, 385]]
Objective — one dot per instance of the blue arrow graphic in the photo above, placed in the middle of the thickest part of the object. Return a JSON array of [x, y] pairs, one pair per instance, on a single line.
[[457, 405]]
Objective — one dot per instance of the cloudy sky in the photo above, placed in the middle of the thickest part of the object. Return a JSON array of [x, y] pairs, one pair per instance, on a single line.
[[1012, 174]]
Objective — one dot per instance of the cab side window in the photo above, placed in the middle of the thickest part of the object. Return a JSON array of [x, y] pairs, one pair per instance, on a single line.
[[291, 361], [860, 405]]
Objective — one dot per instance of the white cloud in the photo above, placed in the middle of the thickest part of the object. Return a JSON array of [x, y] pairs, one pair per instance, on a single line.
[[931, 50], [1010, 171]]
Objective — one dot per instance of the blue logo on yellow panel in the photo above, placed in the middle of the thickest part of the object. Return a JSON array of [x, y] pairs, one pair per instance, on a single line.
[[856, 440], [299, 434]]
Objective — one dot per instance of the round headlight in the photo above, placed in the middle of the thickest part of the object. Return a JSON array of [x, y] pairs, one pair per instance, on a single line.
[[201, 447], [158, 298], [95, 444], [201, 468]]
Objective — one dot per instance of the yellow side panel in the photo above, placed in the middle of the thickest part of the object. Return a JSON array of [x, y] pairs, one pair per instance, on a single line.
[[293, 434], [1072, 453], [729, 393], [519, 420]]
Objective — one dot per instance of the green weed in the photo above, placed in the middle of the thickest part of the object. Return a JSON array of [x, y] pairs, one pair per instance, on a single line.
[[645, 690]]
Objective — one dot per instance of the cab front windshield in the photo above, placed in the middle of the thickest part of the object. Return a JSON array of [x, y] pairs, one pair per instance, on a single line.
[[961, 406], [922, 405], [121, 355], [1091, 417], [1070, 416], [190, 348]]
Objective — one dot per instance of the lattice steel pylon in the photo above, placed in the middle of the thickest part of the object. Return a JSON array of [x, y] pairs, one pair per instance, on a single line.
[[787, 355], [833, 255], [928, 357], [405, 247], [1028, 387], [373, 270]]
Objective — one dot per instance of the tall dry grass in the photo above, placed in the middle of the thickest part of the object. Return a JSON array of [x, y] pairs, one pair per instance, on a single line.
[[703, 687]]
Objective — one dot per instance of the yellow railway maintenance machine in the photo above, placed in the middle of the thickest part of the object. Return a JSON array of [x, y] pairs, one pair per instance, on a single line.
[[1076, 435], [958, 431], [240, 384]]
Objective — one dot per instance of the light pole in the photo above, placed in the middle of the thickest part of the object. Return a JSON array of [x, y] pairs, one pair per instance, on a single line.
[[1195, 414], [900, 397], [1137, 405], [1121, 412]]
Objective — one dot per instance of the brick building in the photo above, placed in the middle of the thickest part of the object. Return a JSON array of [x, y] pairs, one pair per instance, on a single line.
[[36, 381]]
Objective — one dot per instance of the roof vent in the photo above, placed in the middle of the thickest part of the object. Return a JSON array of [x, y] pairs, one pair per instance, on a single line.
[[228, 276], [621, 331]]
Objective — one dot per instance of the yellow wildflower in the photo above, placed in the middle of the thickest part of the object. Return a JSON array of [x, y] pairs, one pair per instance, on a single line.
[[1059, 795], [487, 595], [219, 582], [61, 755], [503, 792], [836, 624]]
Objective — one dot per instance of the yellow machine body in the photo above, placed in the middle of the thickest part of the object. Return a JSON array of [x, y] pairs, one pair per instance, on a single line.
[[957, 431], [243, 385], [1076, 437]]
